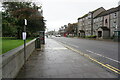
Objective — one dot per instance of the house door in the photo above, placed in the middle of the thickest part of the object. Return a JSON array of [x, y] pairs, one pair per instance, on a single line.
[[99, 33], [79, 34]]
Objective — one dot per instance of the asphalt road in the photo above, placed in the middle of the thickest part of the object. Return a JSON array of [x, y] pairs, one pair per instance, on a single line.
[[104, 51], [56, 61]]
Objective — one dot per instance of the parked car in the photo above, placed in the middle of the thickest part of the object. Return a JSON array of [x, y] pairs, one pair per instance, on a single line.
[[58, 35]]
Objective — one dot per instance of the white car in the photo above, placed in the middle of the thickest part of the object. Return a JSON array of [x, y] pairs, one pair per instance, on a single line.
[[58, 35]]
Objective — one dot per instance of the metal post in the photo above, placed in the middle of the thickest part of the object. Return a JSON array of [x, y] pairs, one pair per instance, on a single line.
[[25, 41], [24, 45]]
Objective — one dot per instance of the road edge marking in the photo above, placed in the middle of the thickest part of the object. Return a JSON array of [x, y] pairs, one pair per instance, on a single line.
[[112, 67], [92, 59]]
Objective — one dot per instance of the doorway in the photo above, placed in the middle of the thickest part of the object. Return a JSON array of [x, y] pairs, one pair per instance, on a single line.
[[99, 33]]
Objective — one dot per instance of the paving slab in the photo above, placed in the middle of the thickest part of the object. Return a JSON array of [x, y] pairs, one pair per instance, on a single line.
[[56, 61]]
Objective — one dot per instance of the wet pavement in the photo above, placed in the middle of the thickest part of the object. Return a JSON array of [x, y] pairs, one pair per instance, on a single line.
[[56, 61]]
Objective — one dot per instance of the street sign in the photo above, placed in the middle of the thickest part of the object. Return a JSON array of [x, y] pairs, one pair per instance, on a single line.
[[25, 21], [24, 35]]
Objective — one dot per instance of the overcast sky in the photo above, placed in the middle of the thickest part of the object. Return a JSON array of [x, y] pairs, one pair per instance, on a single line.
[[61, 12]]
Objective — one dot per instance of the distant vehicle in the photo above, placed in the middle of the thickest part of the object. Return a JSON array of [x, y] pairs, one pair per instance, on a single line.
[[58, 35]]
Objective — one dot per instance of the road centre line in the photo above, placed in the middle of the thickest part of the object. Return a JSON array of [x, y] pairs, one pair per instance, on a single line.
[[103, 56]]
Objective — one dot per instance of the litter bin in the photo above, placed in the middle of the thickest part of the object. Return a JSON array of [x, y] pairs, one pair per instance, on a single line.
[[37, 43]]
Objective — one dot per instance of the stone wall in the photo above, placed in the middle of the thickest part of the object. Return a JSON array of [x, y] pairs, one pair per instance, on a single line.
[[13, 60]]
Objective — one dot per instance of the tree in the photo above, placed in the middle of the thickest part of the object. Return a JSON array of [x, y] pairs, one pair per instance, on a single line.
[[23, 10], [70, 28], [8, 25]]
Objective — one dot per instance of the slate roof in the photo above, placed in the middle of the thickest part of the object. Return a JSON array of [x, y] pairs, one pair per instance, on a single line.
[[83, 16], [112, 10], [91, 12], [97, 9]]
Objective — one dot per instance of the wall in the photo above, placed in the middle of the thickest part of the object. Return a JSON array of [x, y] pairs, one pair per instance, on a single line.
[[119, 19], [113, 23], [13, 60], [108, 21], [105, 34]]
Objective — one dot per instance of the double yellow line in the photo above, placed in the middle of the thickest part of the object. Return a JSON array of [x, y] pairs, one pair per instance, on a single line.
[[107, 66], [88, 56]]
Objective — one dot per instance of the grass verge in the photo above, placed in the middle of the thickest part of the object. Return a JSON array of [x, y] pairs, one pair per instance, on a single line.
[[9, 43]]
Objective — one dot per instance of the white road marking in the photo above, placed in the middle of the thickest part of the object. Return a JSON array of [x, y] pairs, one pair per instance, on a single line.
[[103, 56], [74, 45], [57, 48]]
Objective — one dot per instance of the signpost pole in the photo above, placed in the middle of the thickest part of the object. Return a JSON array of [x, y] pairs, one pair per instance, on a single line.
[[25, 46], [24, 38]]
